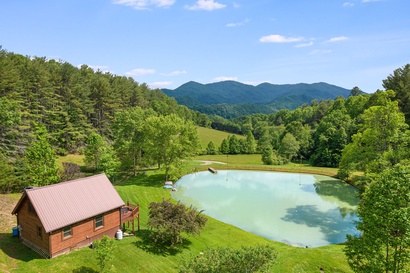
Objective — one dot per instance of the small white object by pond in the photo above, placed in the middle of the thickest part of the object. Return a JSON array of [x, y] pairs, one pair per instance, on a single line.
[[297, 209], [118, 235]]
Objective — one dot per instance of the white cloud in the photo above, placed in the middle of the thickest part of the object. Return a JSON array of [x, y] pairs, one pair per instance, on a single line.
[[206, 5], [159, 84], [238, 24], [144, 4], [320, 52], [305, 44], [174, 73], [140, 72], [348, 4], [255, 83], [279, 39], [222, 78], [337, 39]]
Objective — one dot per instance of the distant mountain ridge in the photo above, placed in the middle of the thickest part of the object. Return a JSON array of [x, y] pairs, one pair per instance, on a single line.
[[230, 98]]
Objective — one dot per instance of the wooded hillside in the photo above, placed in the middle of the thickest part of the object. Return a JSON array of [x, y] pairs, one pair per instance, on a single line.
[[50, 107]]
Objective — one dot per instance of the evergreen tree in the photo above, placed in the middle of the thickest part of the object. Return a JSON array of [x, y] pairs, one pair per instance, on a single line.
[[211, 149], [7, 176], [234, 145], [224, 148], [250, 143]]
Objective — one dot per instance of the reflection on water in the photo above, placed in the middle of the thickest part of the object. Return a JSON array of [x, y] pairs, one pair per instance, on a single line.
[[298, 209]]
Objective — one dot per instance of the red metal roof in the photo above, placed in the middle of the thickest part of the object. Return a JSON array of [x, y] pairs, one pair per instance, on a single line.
[[66, 203]]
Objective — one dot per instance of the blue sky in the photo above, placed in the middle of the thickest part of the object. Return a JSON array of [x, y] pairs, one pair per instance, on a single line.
[[166, 43]]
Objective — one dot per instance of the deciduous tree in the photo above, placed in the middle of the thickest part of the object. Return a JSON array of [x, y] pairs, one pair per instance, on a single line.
[[41, 160], [104, 249], [169, 140], [384, 242]]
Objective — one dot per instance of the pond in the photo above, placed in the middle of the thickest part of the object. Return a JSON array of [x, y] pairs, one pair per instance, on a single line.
[[297, 209]]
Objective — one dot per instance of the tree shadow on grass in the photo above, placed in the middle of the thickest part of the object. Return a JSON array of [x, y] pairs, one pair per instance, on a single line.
[[12, 247], [147, 244], [152, 180], [85, 269]]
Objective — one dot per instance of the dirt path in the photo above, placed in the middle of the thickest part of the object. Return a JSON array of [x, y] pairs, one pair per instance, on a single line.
[[208, 162]]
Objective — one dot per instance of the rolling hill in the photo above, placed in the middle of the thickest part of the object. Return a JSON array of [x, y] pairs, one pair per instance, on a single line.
[[231, 99]]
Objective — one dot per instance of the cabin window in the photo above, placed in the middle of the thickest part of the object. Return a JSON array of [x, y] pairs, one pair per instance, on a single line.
[[67, 232], [99, 221], [39, 232]]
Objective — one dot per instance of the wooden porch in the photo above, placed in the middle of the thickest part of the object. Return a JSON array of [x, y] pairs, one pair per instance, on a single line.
[[128, 214]]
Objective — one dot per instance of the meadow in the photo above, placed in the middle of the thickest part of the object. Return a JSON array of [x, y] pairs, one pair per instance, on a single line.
[[137, 254]]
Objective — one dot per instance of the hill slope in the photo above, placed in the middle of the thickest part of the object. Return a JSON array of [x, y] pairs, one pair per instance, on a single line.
[[244, 99]]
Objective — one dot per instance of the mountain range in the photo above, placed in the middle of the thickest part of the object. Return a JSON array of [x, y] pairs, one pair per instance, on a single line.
[[231, 99]]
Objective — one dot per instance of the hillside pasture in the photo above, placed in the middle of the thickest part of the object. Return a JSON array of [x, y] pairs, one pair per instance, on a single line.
[[137, 254], [207, 134]]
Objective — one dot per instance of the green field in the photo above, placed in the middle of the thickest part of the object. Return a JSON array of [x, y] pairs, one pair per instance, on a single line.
[[206, 135], [136, 254]]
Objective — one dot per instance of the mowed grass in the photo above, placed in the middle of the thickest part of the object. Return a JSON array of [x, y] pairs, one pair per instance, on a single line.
[[206, 135], [137, 254], [254, 162]]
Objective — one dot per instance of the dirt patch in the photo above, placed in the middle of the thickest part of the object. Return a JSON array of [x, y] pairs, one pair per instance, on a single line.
[[208, 162], [7, 204]]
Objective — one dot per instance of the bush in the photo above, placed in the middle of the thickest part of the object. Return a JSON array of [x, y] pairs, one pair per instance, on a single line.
[[168, 221], [244, 260]]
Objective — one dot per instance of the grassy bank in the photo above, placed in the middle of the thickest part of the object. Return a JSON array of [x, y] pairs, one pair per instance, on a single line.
[[136, 254]]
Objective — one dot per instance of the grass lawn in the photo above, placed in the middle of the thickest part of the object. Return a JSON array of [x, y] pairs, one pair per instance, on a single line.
[[136, 254]]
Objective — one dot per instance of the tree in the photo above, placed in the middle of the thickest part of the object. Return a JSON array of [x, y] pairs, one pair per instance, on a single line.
[[41, 160], [399, 82], [100, 156], [104, 249], [234, 145], [7, 176], [9, 117], [356, 91], [129, 136], [211, 149], [384, 242], [246, 259], [289, 147], [267, 155], [250, 144], [168, 221], [224, 148], [169, 140], [381, 142]]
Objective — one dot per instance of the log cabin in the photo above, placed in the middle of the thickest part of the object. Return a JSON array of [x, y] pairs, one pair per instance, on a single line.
[[55, 219]]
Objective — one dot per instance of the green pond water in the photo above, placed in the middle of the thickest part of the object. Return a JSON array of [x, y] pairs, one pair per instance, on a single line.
[[297, 209]]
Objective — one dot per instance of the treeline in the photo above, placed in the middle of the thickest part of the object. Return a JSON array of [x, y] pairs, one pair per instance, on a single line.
[[364, 132], [51, 106], [70, 102]]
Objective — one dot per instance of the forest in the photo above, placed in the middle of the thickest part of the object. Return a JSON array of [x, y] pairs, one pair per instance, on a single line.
[[50, 108]]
